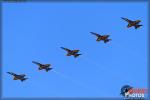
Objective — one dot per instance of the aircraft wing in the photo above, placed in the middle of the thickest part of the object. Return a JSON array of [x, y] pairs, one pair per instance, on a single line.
[[129, 25], [95, 34], [98, 39], [126, 19], [39, 64], [11, 73], [65, 49]]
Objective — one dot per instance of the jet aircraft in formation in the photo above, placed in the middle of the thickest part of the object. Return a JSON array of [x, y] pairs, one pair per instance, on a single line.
[[20, 77], [71, 52], [46, 67], [105, 38], [132, 23], [101, 37]]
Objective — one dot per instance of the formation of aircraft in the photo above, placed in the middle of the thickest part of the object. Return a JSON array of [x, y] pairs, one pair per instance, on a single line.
[[101, 37], [20, 77], [46, 67], [71, 52], [104, 38], [132, 23]]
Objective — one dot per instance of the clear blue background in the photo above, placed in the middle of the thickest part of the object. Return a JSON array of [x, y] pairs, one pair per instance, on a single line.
[[36, 31]]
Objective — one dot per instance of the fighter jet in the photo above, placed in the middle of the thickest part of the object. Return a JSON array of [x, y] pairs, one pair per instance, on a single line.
[[101, 37], [71, 52], [132, 23], [20, 77], [43, 66]]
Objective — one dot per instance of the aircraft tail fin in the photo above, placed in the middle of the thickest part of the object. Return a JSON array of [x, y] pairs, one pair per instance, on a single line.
[[39, 68], [23, 79], [105, 41], [76, 55], [138, 26], [48, 69]]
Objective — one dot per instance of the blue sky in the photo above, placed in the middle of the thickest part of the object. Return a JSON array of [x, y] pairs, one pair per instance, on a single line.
[[36, 31]]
